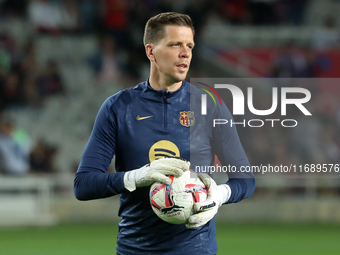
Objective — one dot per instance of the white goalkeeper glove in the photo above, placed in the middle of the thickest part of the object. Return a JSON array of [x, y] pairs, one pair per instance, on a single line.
[[155, 171], [217, 195]]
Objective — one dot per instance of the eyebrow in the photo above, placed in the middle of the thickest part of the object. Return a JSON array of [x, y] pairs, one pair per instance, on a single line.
[[180, 42]]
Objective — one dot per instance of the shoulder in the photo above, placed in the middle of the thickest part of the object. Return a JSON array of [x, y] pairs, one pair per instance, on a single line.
[[200, 93], [194, 90], [124, 97], [206, 97]]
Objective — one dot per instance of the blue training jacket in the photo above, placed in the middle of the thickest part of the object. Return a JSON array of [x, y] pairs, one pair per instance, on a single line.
[[139, 125]]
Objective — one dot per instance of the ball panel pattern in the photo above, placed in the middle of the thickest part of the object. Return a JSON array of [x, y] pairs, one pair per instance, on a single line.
[[174, 203]]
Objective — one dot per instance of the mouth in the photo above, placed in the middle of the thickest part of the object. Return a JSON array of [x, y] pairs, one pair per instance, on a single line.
[[182, 67]]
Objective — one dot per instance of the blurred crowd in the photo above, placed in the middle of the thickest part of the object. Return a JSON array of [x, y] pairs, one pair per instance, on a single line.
[[119, 25], [23, 82], [315, 139], [56, 16], [19, 155], [311, 60]]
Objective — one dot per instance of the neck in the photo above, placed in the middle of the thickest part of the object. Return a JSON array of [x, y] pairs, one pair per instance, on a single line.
[[167, 87], [161, 84]]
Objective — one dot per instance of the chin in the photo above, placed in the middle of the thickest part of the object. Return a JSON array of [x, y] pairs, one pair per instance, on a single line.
[[178, 77], [181, 77]]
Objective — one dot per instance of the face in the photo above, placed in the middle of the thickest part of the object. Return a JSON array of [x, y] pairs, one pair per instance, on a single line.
[[170, 57]]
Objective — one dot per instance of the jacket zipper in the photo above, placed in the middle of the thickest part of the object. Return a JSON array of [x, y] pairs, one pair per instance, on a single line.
[[165, 127]]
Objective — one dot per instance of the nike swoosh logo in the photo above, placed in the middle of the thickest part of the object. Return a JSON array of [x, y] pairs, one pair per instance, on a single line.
[[143, 118]]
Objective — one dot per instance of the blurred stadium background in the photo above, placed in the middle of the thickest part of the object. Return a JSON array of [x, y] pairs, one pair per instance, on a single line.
[[60, 59]]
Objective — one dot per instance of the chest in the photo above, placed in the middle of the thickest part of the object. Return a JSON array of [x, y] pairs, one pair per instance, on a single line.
[[147, 132]]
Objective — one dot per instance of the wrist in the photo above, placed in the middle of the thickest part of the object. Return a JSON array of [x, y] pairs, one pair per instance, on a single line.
[[130, 180], [225, 193]]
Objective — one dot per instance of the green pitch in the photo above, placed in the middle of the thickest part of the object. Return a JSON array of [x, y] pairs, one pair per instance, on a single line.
[[100, 239]]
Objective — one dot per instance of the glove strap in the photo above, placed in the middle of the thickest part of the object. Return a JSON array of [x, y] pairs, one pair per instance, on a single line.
[[225, 192], [130, 180]]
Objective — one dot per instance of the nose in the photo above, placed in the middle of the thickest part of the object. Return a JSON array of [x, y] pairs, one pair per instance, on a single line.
[[185, 53]]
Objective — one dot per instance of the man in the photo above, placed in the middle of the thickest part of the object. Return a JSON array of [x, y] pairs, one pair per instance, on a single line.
[[14, 154], [152, 120]]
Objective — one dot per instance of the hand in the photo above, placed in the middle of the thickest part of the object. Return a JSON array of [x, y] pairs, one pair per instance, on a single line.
[[155, 171], [217, 195]]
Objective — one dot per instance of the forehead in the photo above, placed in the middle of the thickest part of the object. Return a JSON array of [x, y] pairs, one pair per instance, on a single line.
[[178, 33]]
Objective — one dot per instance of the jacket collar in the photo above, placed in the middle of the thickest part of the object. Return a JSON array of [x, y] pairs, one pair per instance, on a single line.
[[147, 88]]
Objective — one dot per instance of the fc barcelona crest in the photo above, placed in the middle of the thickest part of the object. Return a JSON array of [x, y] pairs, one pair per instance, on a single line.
[[187, 118]]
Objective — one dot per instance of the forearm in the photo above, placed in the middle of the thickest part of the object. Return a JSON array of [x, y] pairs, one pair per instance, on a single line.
[[241, 188], [90, 185]]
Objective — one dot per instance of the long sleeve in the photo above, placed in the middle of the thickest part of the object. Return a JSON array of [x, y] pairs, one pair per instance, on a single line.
[[229, 151], [91, 180], [241, 188]]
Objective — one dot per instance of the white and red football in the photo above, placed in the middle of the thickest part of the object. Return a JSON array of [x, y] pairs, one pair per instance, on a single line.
[[174, 203]]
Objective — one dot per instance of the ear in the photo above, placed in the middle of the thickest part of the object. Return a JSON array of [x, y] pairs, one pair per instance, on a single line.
[[149, 50]]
